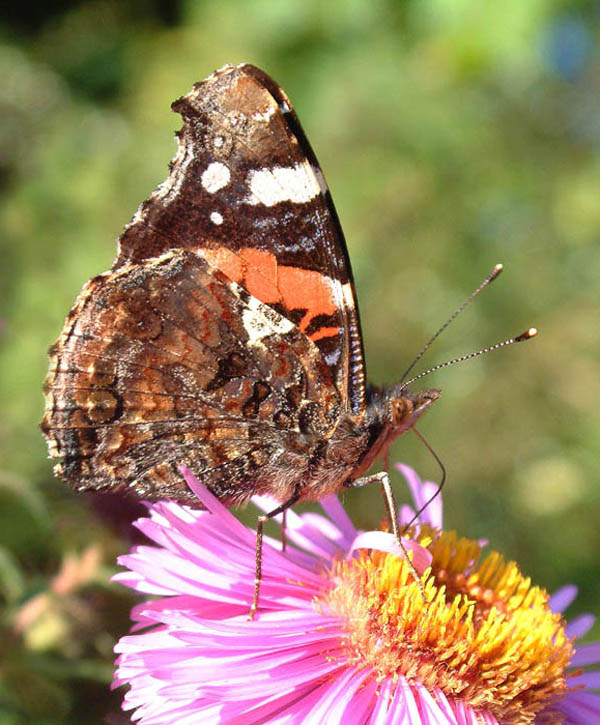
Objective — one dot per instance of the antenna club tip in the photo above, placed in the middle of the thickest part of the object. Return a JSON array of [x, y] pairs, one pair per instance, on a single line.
[[527, 335], [495, 272]]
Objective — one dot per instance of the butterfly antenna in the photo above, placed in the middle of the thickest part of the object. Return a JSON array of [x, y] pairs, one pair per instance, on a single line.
[[527, 335], [438, 490], [487, 281]]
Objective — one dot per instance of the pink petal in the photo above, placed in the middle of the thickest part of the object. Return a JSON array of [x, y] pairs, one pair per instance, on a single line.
[[422, 493], [334, 697], [383, 541], [337, 513], [379, 716]]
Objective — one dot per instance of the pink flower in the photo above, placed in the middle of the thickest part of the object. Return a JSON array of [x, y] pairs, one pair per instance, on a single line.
[[342, 634]]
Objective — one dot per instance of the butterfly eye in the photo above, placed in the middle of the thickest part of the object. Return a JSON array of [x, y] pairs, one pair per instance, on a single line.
[[400, 408]]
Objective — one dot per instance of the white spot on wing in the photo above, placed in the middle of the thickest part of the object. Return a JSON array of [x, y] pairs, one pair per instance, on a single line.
[[215, 177], [258, 325], [263, 116], [348, 293], [216, 218], [268, 187]]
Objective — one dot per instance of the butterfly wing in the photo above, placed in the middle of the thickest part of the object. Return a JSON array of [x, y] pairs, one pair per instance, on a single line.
[[167, 363], [246, 192]]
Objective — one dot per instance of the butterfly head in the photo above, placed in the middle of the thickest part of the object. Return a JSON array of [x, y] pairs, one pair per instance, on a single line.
[[404, 408], [390, 412]]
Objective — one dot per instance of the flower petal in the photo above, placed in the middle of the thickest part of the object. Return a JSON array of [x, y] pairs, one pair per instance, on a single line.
[[563, 598], [384, 541], [580, 626], [581, 708], [586, 654]]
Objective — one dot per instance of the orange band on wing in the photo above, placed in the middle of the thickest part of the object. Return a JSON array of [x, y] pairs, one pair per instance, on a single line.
[[226, 261], [304, 289], [324, 332], [260, 275], [294, 287]]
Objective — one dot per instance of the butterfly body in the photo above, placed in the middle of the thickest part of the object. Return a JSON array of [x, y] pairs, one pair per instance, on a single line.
[[226, 336]]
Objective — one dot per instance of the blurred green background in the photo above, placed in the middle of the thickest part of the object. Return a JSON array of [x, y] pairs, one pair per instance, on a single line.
[[454, 134]]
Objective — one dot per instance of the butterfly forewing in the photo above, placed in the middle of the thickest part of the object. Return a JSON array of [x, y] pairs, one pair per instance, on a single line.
[[245, 191]]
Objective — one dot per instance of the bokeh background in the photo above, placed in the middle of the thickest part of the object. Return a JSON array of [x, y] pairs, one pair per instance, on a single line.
[[454, 134]]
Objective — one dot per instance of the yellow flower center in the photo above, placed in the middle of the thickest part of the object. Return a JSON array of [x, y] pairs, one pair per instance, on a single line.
[[483, 635]]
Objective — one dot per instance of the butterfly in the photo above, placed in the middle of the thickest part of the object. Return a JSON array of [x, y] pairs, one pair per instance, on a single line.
[[226, 336]]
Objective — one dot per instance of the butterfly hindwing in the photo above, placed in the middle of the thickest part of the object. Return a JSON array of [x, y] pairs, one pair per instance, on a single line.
[[168, 363]]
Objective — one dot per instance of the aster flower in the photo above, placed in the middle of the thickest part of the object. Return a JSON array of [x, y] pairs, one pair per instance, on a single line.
[[342, 634]]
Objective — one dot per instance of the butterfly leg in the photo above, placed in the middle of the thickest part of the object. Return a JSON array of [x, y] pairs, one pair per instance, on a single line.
[[383, 478], [259, 542], [283, 529]]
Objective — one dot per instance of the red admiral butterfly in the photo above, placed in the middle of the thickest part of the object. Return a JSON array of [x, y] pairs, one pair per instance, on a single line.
[[226, 336]]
